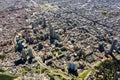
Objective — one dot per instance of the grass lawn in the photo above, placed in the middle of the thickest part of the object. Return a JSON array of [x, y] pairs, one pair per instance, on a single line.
[[6, 77], [84, 74], [55, 52], [48, 6]]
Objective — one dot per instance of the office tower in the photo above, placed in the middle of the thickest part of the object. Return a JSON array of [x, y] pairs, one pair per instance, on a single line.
[[44, 23], [52, 32], [24, 55], [117, 47], [40, 46], [101, 47], [72, 69], [117, 76], [52, 35], [30, 53], [113, 46], [20, 46]]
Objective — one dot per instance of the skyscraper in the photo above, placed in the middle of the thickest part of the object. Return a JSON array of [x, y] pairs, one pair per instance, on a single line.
[[72, 69], [20, 46], [117, 75], [44, 23], [113, 46], [30, 53], [101, 47], [24, 55], [52, 35]]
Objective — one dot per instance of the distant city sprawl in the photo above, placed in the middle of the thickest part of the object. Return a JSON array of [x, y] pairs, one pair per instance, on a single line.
[[59, 39]]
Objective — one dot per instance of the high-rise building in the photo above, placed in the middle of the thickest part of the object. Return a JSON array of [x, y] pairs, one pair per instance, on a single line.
[[113, 46], [52, 34], [72, 69], [40, 46], [117, 76], [24, 54], [30, 53], [117, 47], [44, 23], [101, 47], [20, 46]]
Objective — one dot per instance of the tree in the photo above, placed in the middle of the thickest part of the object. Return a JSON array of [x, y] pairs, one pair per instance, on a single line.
[[108, 69]]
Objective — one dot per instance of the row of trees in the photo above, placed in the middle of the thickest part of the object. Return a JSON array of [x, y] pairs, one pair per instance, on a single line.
[[108, 69]]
